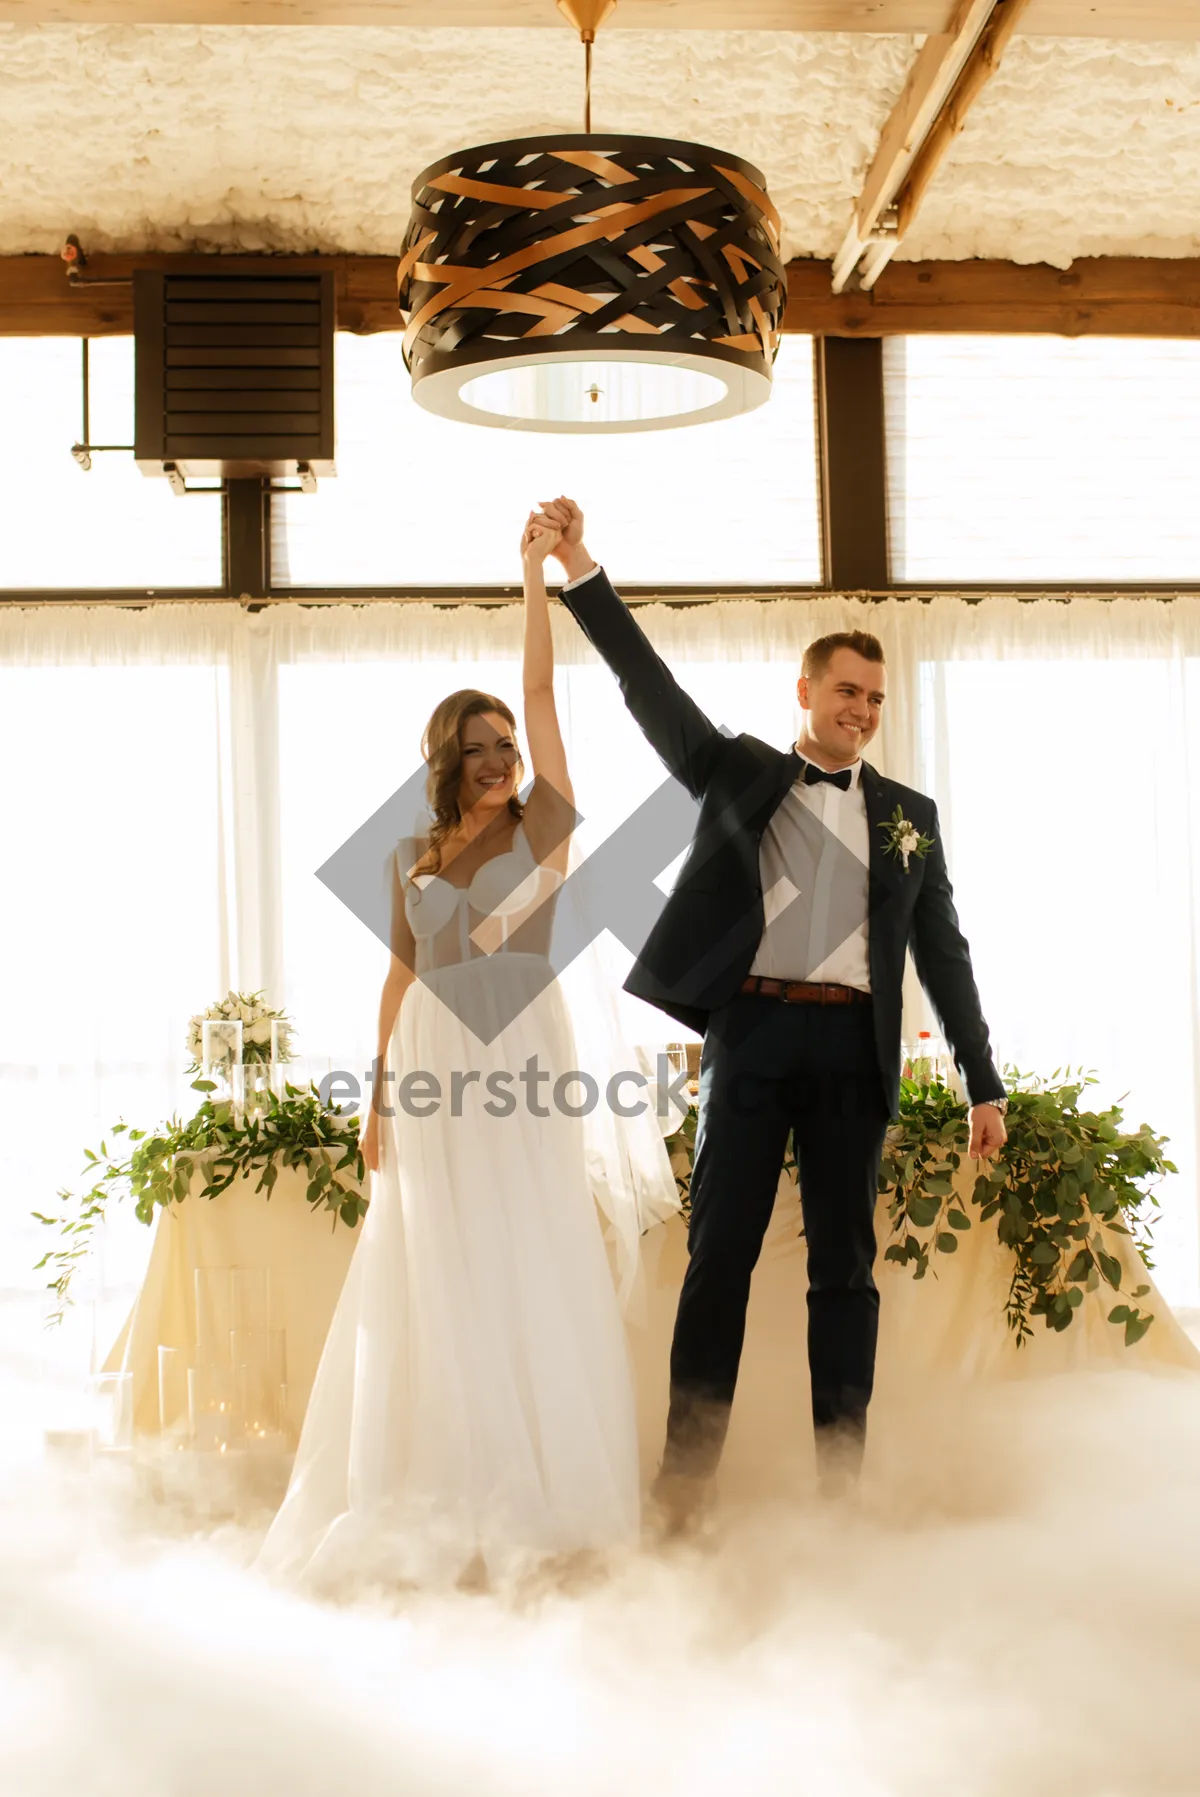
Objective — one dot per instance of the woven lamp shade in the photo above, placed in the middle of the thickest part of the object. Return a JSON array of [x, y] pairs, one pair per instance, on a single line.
[[590, 284]]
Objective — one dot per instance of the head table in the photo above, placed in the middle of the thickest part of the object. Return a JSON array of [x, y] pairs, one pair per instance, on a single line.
[[938, 1336]]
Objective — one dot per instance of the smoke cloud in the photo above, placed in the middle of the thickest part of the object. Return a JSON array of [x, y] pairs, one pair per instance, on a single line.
[[1012, 1605]]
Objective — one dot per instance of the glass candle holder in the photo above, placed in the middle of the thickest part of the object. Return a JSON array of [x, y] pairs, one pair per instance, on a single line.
[[172, 1392], [222, 1047], [214, 1418], [278, 1066], [256, 1087], [260, 1362], [213, 1296], [250, 1297], [111, 1397], [229, 1300]]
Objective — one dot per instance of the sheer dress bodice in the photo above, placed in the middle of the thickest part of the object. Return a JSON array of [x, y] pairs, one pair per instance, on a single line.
[[507, 908]]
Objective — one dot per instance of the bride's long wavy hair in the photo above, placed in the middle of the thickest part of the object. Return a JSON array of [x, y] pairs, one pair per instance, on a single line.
[[441, 747]]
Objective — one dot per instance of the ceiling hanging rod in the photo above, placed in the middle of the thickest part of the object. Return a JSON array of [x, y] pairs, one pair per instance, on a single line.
[[587, 16]]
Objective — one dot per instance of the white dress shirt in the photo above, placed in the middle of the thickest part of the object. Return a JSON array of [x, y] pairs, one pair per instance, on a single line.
[[785, 951], [579, 579]]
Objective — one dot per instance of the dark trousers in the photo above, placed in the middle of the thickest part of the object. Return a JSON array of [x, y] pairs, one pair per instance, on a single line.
[[768, 1067]]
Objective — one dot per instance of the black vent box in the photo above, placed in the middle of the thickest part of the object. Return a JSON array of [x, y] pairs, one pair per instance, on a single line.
[[233, 373]]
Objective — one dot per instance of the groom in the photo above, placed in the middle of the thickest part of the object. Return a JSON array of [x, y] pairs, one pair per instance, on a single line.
[[784, 943]]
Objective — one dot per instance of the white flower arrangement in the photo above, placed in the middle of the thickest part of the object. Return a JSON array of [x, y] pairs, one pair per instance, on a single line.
[[904, 839], [254, 1014]]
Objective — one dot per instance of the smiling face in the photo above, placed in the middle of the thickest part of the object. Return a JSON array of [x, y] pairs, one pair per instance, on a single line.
[[488, 752], [842, 707]]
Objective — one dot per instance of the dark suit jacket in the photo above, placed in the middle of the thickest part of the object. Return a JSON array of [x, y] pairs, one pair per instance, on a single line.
[[700, 950]]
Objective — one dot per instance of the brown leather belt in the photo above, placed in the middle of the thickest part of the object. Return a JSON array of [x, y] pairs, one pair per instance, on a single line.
[[805, 992]]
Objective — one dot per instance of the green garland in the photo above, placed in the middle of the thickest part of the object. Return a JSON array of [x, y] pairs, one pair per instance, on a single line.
[[1064, 1179], [296, 1130]]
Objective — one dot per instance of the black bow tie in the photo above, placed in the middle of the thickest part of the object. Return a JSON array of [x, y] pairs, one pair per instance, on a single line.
[[813, 773]]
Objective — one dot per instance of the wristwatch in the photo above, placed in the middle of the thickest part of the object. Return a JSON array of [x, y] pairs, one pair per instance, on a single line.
[[997, 1104]]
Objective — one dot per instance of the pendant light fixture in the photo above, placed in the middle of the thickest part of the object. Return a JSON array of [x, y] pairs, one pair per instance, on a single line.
[[591, 283]]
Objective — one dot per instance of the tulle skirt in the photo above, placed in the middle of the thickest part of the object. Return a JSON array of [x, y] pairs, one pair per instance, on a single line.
[[474, 1398]]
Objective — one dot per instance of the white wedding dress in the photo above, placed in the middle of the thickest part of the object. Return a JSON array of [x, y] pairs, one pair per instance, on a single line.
[[474, 1397]]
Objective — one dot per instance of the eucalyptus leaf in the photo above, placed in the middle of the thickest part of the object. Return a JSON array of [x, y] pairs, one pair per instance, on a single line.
[[161, 1169], [924, 1211], [1110, 1267]]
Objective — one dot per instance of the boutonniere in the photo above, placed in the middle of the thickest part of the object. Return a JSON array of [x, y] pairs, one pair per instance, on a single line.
[[904, 839]]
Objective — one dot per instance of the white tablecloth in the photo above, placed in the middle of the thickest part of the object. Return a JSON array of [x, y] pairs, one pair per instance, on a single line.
[[305, 1252], [936, 1334]]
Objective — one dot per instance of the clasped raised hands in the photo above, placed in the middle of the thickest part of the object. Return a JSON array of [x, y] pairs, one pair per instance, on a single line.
[[565, 517], [539, 538]]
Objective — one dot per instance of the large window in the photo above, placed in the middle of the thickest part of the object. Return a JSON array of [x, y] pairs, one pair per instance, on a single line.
[[1010, 460], [1042, 459], [1075, 874], [423, 501], [112, 526], [110, 918]]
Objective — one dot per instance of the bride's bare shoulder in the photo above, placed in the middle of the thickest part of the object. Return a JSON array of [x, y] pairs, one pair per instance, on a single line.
[[414, 856]]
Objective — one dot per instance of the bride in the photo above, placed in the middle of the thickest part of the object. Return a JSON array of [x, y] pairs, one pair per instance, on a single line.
[[474, 1401]]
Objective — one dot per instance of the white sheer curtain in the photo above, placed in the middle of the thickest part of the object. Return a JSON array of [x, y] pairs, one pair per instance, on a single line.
[[188, 768], [1062, 742]]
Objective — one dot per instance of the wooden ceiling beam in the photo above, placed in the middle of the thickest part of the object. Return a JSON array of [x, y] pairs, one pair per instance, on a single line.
[[1144, 19], [981, 66], [1100, 296], [37, 300], [1107, 296], [950, 71], [938, 65]]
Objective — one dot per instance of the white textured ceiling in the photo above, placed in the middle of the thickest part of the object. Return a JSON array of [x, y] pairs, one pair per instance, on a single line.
[[165, 137]]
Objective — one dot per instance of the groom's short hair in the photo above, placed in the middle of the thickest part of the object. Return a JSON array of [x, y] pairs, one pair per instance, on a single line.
[[818, 655]]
